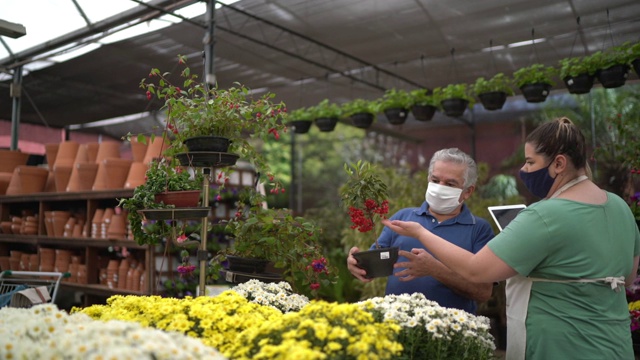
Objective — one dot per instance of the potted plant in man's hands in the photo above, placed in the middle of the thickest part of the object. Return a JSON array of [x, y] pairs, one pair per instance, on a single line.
[[362, 112], [535, 81], [455, 99], [164, 176], [494, 91], [235, 116], [424, 104], [364, 196]]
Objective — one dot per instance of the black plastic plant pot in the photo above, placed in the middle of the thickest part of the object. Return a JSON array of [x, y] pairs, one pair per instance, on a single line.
[[326, 124], [246, 265], [614, 76], [636, 66], [493, 100], [423, 112], [535, 93], [300, 126], [207, 143], [580, 84], [396, 116], [362, 120], [454, 107], [377, 262]]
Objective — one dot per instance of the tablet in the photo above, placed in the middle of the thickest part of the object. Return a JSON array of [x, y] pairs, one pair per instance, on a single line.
[[503, 214]]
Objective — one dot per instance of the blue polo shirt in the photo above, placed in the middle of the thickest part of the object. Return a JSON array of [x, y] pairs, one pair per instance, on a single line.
[[465, 230]]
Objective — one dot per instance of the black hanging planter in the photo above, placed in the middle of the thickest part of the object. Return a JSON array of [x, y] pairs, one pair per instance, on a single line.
[[535, 93], [454, 107], [423, 112], [493, 100], [300, 126], [207, 143], [246, 265], [396, 116], [614, 76], [362, 120], [326, 124], [580, 84], [636, 66], [377, 262]]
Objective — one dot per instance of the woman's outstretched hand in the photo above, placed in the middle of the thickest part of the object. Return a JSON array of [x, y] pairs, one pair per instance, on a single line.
[[406, 228]]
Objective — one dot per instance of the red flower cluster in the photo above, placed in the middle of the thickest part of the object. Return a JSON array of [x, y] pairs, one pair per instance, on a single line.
[[362, 219]]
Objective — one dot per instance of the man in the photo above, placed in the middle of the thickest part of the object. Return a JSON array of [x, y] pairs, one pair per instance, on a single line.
[[452, 178]]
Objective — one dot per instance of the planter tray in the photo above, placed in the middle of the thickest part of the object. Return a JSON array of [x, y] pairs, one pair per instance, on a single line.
[[240, 277], [176, 213], [207, 159]]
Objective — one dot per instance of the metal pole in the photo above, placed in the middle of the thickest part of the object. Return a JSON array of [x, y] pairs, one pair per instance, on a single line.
[[16, 90], [209, 43], [294, 186], [202, 252]]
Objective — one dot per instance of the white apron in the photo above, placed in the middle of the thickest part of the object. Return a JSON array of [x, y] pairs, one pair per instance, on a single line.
[[518, 291]]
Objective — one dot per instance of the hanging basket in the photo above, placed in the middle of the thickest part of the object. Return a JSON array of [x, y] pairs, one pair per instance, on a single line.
[[326, 124], [300, 126], [535, 93], [207, 143], [362, 120], [614, 76], [580, 84], [493, 100], [454, 107], [423, 112], [377, 262], [396, 116], [636, 66]]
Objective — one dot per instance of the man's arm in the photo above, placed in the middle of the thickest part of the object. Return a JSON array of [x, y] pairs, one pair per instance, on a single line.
[[421, 263]]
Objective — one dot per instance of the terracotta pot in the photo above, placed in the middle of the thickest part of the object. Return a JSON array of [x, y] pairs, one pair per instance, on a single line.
[[27, 180], [83, 176], [117, 228], [136, 175], [62, 174], [112, 174], [51, 151], [68, 227], [82, 274], [77, 231], [47, 256], [5, 179], [108, 150], [6, 227], [34, 262], [138, 149], [179, 198], [11, 159], [14, 264], [50, 186], [4, 263], [155, 149], [48, 223], [66, 154], [58, 223]]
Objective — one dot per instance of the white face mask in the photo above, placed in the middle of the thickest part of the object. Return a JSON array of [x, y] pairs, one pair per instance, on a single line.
[[442, 199]]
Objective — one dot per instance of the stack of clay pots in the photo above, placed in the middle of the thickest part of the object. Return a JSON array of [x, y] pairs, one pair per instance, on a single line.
[[47, 259], [111, 279], [63, 259], [11, 159], [27, 180], [109, 223], [75, 270]]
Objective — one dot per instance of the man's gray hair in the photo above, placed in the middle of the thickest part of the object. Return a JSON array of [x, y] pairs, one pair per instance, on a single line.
[[455, 155]]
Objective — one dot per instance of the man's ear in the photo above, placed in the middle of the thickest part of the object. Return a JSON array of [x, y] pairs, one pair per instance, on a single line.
[[468, 192]]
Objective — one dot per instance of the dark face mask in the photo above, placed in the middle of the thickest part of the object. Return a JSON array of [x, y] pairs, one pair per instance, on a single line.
[[538, 182]]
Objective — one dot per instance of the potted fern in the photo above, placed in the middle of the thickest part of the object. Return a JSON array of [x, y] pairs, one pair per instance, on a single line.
[[454, 99], [613, 65], [578, 74], [494, 91], [535, 82], [423, 104], [301, 120], [362, 112], [395, 104]]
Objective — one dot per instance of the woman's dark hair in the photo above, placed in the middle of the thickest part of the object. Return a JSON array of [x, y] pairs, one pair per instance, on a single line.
[[560, 136]]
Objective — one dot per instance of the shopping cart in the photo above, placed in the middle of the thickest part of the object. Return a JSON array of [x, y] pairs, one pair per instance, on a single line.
[[12, 283]]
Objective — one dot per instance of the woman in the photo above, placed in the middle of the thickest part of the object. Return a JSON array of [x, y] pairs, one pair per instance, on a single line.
[[568, 256]]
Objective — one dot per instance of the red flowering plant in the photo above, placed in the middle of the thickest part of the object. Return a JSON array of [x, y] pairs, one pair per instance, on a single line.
[[195, 108], [364, 196], [291, 243]]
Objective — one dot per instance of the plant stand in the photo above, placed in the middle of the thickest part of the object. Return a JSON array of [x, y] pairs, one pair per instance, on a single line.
[[206, 160]]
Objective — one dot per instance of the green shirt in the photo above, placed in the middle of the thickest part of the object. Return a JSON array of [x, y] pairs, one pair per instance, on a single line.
[[563, 239]]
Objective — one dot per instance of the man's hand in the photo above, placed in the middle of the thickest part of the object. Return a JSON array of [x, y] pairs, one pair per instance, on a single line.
[[352, 265], [420, 263]]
